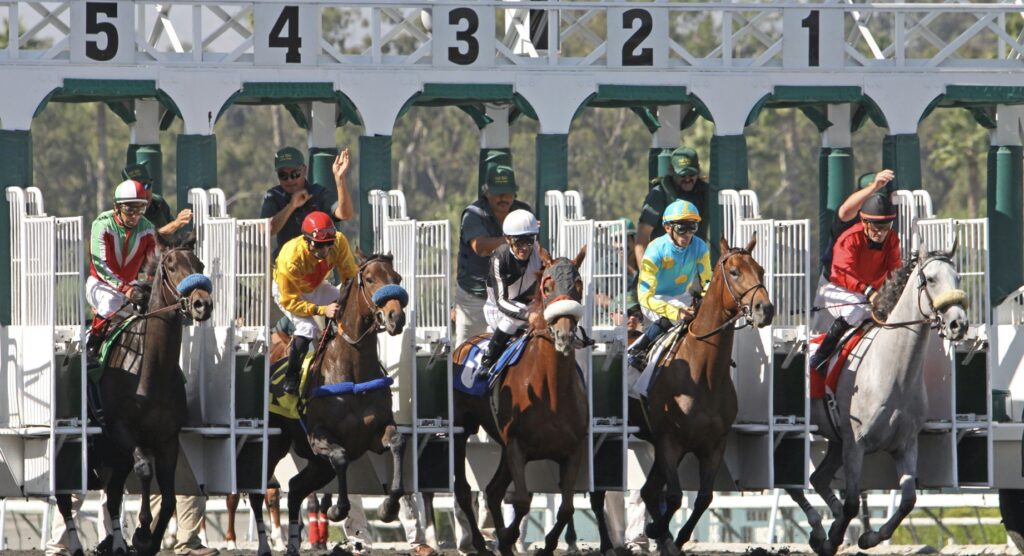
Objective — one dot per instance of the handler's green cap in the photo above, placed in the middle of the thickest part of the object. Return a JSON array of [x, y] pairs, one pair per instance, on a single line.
[[137, 172], [288, 157], [501, 179], [685, 161]]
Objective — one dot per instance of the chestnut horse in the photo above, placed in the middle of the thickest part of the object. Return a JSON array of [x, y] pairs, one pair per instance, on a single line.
[[142, 435], [542, 411], [691, 403]]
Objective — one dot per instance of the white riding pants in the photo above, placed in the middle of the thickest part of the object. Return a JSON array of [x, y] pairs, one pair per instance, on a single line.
[[841, 302], [500, 321], [678, 301], [104, 299], [307, 327]]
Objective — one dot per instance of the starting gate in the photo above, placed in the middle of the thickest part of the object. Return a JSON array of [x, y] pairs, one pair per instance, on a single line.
[[43, 423]]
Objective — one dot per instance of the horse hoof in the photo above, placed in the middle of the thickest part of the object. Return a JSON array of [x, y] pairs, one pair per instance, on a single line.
[[869, 539], [666, 547], [388, 510], [337, 513]]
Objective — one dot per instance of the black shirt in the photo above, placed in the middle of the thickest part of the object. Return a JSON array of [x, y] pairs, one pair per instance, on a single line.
[[512, 283], [277, 198], [478, 221], [663, 194]]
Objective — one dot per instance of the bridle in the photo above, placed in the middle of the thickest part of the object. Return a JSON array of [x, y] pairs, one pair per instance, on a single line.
[[375, 300], [745, 309], [946, 300], [180, 292]]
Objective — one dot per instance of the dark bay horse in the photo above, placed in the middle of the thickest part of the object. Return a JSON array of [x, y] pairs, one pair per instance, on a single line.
[[691, 404], [542, 411], [144, 436], [881, 400], [347, 421]]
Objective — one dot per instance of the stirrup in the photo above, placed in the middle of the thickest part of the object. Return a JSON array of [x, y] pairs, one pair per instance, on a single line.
[[291, 384]]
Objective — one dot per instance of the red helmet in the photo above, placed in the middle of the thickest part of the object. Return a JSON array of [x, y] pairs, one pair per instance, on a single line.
[[318, 227]]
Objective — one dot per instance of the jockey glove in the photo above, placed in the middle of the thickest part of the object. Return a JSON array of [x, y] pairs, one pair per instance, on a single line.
[[828, 345], [300, 346]]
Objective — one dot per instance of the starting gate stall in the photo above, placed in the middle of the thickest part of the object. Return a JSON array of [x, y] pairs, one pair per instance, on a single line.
[[43, 426], [957, 439], [225, 358], [770, 377], [604, 285]]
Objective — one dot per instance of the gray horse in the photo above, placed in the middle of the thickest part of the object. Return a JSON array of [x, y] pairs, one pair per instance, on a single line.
[[881, 395]]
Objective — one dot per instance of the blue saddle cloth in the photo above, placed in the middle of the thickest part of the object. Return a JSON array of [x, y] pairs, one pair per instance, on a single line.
[[464, 374]]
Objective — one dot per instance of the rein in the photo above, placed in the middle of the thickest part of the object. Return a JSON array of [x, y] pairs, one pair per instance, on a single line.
[[744, 309], [179, 299], [935, 320], [379, 327]]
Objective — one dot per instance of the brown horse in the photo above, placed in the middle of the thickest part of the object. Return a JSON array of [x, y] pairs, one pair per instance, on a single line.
[[343, 423], [142, 435], [542, 411], [691, 404]]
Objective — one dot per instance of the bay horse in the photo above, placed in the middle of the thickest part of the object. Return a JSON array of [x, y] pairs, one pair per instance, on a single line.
[[143, 435], [880, 397], [542, 411], [691, 404], [348, 420]]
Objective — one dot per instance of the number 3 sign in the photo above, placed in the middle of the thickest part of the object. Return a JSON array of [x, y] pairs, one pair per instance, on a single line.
[[286, 34], [102, 32], [463, 36]]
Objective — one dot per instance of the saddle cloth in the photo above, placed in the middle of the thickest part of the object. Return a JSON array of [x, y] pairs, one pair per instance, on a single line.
[[639, 383], [284, 404], [467, 361], [819, 384]]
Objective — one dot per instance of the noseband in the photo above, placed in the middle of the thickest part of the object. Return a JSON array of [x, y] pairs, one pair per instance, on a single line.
[[744, 308], [382, 295], [179, 292]]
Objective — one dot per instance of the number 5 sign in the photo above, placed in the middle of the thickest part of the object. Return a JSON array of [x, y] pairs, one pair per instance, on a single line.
[[102, 32], [463, 36], [286, 34]]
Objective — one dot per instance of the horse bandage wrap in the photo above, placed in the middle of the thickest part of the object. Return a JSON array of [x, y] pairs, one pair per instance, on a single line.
[[194, 282], [563, 308], [389, 292], [947, 299]]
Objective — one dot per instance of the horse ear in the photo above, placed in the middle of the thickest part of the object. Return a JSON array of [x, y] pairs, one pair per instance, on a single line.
[[723, 245], [190, 240], [580, 256], [360, 257], [750, 244], [164, 241], [922, 252], [956, 243], [545, 257]]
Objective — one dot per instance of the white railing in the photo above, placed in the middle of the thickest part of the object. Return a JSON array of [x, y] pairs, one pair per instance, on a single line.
[[738, 36]]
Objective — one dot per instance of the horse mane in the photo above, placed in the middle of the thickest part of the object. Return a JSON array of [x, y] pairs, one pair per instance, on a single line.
[[891, 290]]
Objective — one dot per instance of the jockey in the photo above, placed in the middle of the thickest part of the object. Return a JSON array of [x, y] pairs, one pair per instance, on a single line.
[[300, 287], [511, 283], [670, 265], [122, 241], [863, 257]]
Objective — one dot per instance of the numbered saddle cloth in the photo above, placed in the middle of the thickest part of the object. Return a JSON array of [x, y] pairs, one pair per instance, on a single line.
[[821, 384], [467, 361], [638, 385], [282, 403]]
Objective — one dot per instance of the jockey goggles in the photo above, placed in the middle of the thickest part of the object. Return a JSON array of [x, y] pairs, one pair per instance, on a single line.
[[523, 241], [684, 227]]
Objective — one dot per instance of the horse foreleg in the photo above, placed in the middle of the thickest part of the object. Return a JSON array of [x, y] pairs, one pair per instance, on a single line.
[[906, 466], [143, 467], [597, 499], [709, 464], [569, 468], [115, 493], [231, 503], [853, 459], [817, 534], [395, 441], [64, 505], [256, 507], [512, 469], [339, 461], [315, 475], [651, 493], [667, 455], [464, 495], [429, 527], [823, 474], [166, 461]]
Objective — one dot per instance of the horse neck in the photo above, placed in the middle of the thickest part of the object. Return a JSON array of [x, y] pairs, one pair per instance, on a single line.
[[902, 348], [560, 376], [359, 362], [709, 354]]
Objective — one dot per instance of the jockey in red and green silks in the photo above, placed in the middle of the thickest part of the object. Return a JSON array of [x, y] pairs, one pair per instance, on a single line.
[[121, 242]]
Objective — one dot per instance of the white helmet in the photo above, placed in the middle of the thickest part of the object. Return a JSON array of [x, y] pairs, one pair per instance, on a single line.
[[520, 223], [131, 192]]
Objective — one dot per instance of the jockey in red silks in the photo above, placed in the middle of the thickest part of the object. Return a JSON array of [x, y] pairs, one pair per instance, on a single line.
[[862, 259]]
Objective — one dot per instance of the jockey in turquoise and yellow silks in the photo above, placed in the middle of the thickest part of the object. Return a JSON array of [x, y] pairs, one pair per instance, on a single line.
[[671, 264]]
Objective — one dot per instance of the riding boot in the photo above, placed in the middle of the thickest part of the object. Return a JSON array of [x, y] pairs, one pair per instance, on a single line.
[[97, 332], [638, 351], [300, 346], [828, 345], [499, 341]]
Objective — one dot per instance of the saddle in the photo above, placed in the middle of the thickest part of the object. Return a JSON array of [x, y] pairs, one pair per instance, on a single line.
[[466, 360], [822, 385]]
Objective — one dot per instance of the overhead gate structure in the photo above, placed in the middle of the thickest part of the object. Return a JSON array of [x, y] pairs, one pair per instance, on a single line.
[[225, 358], [43, 428]]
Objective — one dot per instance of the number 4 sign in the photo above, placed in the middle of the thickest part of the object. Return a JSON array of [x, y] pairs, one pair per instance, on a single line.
[[102, 32], [286, 34]]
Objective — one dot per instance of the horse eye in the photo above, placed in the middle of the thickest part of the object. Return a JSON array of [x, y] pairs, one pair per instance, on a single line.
[[369, 279], [931, 281], [734, 273]]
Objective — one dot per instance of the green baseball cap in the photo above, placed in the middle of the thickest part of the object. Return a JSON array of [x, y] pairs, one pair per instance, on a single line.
[[630, 226], [865, 180], [685, 161], [137, 172], [288, 157], [501, 179]]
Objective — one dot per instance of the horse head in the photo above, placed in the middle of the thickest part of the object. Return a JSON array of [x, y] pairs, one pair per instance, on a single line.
[[181, 278], [560, 295], [379, 283], [939, 282], [744, 281]]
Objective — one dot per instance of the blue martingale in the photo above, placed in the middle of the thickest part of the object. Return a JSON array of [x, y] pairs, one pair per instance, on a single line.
[[194, 282], [389, 292], [464, 376], [341, 388]]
